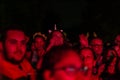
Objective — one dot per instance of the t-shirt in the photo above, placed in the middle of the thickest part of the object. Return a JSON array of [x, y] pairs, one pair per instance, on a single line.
[[10, 71]]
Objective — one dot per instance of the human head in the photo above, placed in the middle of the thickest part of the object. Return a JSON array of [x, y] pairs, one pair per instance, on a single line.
[[97, 45], [61, 63], [39, 42], [14, 44], [110, 58], [88, 57]]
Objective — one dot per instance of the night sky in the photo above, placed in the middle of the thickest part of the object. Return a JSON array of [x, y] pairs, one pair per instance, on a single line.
[[73, 16]]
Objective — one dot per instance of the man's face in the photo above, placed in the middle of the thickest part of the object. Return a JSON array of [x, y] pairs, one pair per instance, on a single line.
[[15, 45], [69, 68], [88, 58], [39, 43], [97, 46]]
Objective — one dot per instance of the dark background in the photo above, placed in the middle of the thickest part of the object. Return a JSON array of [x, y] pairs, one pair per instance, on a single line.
[[73, 16]]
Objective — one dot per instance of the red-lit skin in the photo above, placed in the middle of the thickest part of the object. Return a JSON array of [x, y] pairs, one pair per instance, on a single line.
[[15, 45], [88, 61], [99, 46], [70, 59], [111, 67], [101, 69], [39, 44], [57, 39], [83, 40], [88, 58], [117, 48]]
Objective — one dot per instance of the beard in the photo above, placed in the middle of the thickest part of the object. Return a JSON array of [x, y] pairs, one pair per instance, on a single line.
[[13, 60]]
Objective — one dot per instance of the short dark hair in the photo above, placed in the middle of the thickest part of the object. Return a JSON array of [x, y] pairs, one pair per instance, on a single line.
[[54, 56], [94, 39], [18, 27], [38, 36]]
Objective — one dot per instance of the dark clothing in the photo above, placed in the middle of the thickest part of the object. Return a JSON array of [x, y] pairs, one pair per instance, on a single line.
[[107, 76], [7, 78]]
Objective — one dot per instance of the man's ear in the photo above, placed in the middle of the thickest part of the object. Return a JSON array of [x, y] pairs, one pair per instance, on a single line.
[[47, 75]]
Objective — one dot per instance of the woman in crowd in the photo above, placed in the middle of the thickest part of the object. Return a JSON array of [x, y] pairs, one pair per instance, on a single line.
[[88, 58]]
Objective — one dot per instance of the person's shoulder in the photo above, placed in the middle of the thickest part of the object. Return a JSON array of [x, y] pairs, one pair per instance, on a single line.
[[4, 63], [9, 70], [27, 67]]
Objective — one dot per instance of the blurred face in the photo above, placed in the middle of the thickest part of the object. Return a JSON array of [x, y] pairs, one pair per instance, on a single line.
[[117, 40], [15, 45], [39, 43], [69, 68], [88, 58], [97, 46]]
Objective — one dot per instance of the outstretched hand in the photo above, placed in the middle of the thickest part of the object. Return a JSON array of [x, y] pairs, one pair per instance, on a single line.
[[83, 40]]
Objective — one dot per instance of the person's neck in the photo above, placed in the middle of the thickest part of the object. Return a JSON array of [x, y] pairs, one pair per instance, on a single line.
[[89, 75]]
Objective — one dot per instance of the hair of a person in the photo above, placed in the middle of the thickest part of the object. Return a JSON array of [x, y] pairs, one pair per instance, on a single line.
[[5, 30], [93, 53], [94, 39], [38, 36], [9, 27], [55, 54]]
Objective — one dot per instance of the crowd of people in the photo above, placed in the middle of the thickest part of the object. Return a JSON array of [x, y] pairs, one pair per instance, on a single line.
[[54, 57]]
